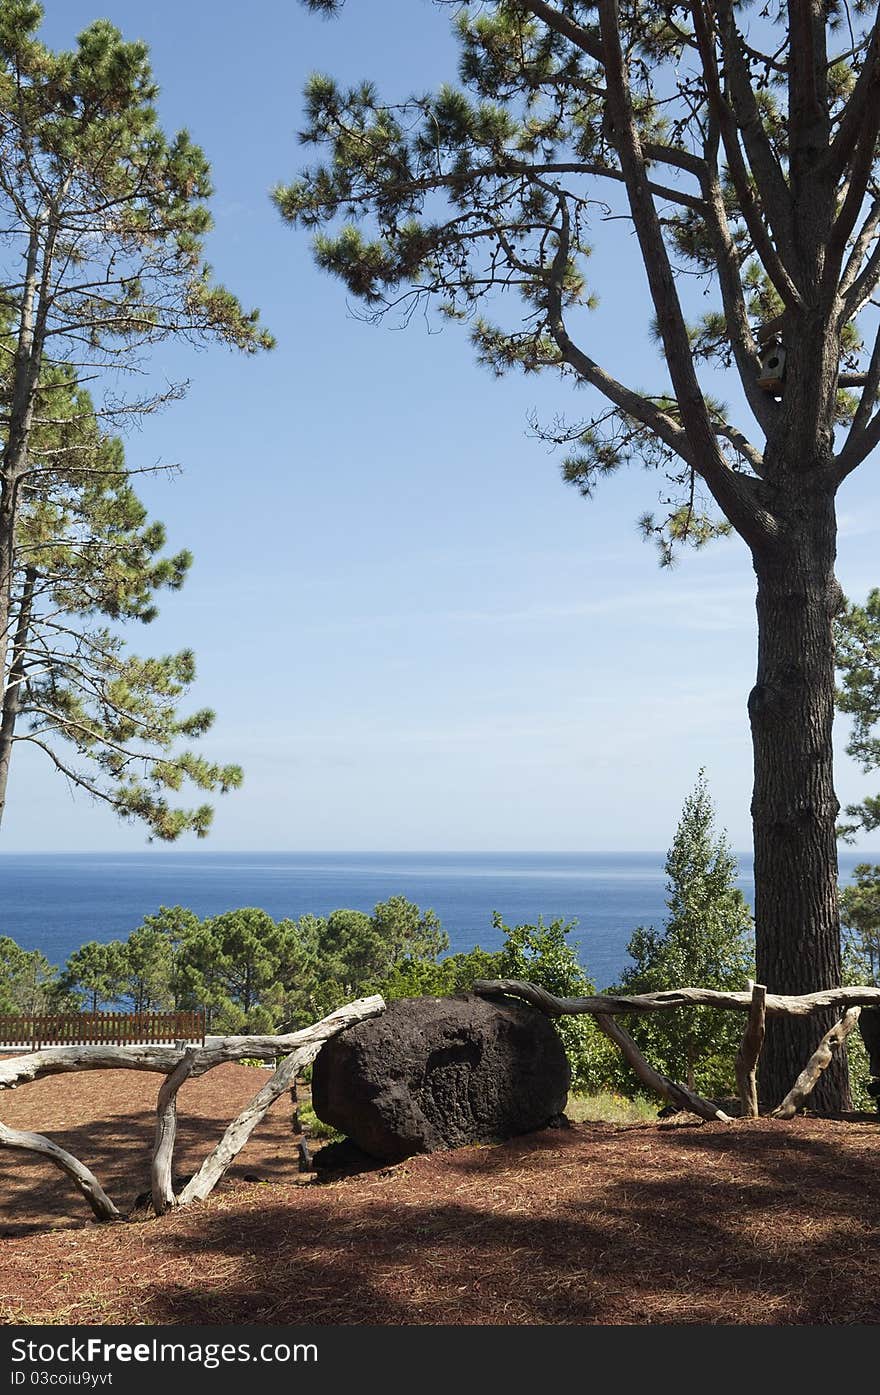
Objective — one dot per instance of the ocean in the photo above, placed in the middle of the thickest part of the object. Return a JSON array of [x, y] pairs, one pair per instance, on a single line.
[[55, 902]]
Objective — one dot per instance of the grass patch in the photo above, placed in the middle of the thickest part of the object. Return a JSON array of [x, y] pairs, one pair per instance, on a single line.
[[315, 1127], [610, 1108]]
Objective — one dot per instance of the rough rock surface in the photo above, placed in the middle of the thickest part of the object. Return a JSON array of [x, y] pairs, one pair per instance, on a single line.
[[435, 1073], [869, 1025]]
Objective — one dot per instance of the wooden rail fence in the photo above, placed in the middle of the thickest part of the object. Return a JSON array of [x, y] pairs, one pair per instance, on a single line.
[[757, 1002], [177, 1064], [299, 1049], [101, 1029]]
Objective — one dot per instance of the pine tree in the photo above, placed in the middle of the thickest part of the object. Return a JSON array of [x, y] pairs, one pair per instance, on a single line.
[[705, 943], [87, 559], [104, 218], [28, 982], [95, 974], [745, 161], [231, 964]]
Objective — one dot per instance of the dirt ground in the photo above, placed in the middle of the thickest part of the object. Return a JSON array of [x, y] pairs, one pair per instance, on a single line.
[[756, 1222]]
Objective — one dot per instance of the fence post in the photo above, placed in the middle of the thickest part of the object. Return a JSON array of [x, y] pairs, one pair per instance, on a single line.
[[749, 1051]]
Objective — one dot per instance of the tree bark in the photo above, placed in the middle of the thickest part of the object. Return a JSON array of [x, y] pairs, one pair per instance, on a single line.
[[14, 684], [794, 807]]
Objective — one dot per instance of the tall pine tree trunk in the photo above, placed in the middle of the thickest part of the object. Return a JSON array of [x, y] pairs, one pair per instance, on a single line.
[[794, 807], [26, 372]]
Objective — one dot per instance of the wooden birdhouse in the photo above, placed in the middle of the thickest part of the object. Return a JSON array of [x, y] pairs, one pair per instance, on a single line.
[[772, 359]]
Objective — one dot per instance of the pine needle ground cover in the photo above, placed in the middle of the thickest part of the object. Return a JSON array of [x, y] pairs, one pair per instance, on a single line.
[[669, 1222]]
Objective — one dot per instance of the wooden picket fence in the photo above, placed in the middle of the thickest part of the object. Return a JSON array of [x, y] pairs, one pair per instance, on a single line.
[[100, 1029]]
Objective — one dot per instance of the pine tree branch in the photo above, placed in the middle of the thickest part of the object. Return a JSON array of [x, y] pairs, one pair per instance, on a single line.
[[753, 213], [866, 236], [773, 189], [745, 350], [861, 169], [862, 288], [857, 450], [76, 777], [633, 404], [731, 491], [565, 26], [673, 155], [860, 109], [742, 445], [867, 403]]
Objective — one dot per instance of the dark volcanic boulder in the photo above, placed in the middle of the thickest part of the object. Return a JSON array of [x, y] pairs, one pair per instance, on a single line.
[[869, 1026], [441, 1073]]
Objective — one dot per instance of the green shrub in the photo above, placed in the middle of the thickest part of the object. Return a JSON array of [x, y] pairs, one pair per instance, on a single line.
[[424, 978], [314, 1127], [541, 955]]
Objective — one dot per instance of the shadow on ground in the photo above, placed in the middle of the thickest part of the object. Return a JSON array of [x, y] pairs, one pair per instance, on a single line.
[[117, 1141], [758, 1223]]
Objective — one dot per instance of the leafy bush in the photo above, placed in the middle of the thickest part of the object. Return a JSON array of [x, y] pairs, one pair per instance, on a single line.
[[541, 955], [313, 1127], [428, 978]]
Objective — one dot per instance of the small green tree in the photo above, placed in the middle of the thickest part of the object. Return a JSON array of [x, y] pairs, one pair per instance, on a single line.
[[309, 991], [350, 953], [232, 963], [28, 982], [440, 978], [406, 932], [178, 926], [95, 974], [104, 218], [148, 969], [705, 943]]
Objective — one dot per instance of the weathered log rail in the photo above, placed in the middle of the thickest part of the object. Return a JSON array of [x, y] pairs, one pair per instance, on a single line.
[[757, 1002], [297, 1049], [610, 1004]]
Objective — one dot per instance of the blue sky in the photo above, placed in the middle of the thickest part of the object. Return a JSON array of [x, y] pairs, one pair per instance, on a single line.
[[414, 635]]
